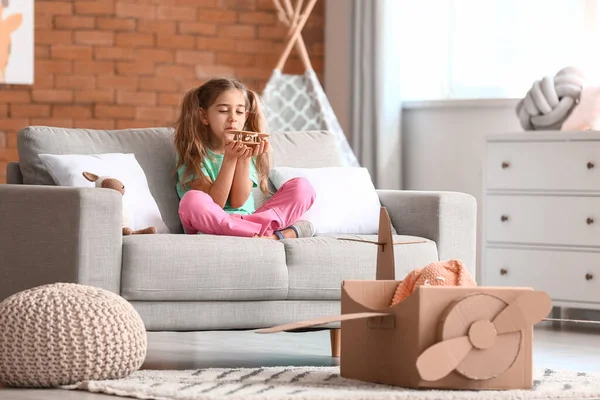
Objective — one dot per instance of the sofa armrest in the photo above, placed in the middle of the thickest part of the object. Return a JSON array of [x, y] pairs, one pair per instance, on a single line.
[[13, 173], [59, 234], [447, 218]]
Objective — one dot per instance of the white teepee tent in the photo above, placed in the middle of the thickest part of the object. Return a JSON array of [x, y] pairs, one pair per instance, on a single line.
[[298, 102]]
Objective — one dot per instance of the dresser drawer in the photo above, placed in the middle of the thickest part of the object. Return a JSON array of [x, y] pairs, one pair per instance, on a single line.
[[564, 275], [543, 165], [556, 220]]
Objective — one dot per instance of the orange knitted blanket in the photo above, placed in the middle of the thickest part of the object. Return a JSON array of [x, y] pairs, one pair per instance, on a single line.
[[442, 273]]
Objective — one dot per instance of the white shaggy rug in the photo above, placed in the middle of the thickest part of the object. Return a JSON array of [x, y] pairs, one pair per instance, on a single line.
[[318, 383]]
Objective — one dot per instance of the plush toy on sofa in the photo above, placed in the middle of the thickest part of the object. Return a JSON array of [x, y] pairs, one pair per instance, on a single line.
[[115, 184]]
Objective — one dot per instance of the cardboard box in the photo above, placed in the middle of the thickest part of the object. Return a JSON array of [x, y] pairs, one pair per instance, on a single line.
[[439, 337]]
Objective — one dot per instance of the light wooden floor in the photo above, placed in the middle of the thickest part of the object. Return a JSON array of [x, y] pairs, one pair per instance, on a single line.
[[570, 347]]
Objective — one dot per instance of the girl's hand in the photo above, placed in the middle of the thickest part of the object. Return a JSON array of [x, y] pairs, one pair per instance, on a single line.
[[263, 147], [235, 149]]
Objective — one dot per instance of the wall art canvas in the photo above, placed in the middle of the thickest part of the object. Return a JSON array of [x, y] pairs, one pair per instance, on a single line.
[[16, 42]]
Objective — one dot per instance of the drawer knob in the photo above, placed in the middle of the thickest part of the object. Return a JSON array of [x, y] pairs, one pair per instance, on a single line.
[[505, 165], [589, 221], [589, 277], [590, 165], [503, 271], [504, 218]]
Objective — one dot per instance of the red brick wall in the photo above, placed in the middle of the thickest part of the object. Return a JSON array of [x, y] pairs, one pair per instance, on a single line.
[[111, 64]]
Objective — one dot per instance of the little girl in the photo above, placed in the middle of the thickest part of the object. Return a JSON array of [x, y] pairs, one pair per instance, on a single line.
[[215, 175]]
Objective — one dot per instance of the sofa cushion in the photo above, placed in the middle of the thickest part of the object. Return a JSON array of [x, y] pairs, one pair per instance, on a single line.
[[318, 265], [152, 147], [140, 210], [202, 267]]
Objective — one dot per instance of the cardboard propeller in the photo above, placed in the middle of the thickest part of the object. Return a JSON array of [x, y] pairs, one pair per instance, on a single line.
[[454, 353]]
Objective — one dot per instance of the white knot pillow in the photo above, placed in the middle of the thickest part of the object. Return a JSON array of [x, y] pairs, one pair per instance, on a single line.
[[550, 101], [64, 333]]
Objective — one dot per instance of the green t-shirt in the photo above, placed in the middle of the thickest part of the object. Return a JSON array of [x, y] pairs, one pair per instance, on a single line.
[[211, 168]]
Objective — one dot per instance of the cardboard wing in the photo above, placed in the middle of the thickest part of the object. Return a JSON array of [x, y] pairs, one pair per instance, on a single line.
[[320, 321]]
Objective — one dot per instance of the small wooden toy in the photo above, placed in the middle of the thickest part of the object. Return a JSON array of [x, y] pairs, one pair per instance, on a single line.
[[247, 137]]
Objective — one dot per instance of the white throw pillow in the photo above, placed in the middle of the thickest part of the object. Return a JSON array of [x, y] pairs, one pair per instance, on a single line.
[[67, 169], [346, 201]]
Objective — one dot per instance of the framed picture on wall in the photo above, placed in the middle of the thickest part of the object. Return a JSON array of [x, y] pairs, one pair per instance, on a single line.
[[16, 42]]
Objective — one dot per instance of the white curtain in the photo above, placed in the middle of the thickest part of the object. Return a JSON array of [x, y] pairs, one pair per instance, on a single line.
[[375, 99]]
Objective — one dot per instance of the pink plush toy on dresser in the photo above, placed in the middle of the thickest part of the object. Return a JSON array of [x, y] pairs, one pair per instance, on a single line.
[[586, 115]]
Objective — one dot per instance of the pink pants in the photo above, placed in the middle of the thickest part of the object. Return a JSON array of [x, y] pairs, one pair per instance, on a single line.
[[199, 213]]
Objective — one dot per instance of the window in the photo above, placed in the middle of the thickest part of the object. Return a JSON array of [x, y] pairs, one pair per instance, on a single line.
[[456, 49]]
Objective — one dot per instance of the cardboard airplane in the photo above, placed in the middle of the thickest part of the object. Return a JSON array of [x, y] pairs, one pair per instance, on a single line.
[[439, 337]]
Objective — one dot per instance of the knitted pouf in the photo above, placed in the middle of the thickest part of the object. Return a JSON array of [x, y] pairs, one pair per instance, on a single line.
[[64, 333]]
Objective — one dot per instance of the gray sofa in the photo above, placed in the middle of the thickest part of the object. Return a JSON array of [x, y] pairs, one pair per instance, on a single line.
[[197, 282]]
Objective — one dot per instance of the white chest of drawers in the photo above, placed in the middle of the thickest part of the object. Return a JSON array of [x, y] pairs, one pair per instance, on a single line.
[[541, 214]]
